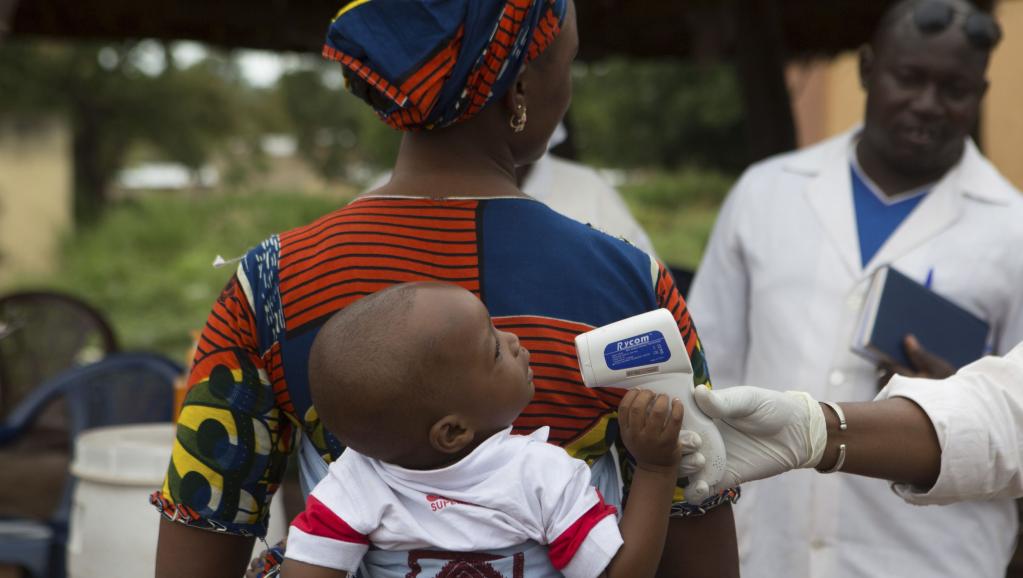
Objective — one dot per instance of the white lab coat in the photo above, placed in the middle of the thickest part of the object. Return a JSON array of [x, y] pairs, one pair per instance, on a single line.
[[581, 193], [776, 300], [978, 418]]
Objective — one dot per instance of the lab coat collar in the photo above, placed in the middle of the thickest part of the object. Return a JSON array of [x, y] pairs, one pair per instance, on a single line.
[[978, 178], [975, 176], [829, 194]]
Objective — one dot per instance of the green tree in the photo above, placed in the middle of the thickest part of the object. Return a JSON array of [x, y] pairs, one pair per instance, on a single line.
[[664, 113], [113, 102], [335, 130]]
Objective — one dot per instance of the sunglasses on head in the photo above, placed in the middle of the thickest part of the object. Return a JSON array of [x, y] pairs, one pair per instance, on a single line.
[[980, 28]]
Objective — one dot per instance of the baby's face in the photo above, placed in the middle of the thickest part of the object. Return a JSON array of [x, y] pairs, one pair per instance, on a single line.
[[495, 382]]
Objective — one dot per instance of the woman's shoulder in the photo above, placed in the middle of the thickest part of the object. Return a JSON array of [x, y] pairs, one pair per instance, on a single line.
[[535, 216], [536, 261]]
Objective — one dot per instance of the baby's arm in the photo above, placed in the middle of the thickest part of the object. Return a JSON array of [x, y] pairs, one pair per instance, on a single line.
[[322, 542], [650, 428], [295, 569]]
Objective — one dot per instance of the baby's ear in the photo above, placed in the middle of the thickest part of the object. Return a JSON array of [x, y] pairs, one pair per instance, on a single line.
[[450, 434]]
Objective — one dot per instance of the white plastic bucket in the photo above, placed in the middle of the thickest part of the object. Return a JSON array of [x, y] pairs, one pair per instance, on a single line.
[[113, 528]]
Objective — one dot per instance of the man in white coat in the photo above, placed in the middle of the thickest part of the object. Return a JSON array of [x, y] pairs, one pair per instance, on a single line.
[[782, 284]]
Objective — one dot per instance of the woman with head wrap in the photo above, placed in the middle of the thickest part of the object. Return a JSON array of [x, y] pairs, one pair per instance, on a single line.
[[477, 86]]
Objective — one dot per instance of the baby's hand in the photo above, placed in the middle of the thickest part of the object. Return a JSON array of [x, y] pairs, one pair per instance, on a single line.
[[650, 428]]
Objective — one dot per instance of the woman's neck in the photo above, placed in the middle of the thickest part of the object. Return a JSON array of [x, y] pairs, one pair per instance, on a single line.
[[459, 161]]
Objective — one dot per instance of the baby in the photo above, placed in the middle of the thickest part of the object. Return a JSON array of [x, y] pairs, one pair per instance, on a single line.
[[422, 389]]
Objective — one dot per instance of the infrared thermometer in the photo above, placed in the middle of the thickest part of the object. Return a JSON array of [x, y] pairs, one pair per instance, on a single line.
[[646, 351]]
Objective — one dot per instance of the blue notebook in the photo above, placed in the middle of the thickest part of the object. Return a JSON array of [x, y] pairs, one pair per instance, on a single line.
[[897, 306]]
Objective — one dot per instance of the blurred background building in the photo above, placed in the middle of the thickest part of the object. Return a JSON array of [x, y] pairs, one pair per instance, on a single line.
[[34, 156]]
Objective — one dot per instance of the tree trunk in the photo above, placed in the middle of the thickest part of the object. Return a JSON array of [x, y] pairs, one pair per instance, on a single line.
[[760, 60], [91, 175]]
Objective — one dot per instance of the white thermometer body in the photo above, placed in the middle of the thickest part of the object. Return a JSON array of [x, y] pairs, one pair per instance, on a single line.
[[647, 351]]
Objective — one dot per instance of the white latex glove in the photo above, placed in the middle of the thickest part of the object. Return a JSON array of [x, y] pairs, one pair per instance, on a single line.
[[692, 460], [766, 432]]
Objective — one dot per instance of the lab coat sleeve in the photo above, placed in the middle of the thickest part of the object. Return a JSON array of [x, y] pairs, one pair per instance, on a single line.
[[978, 417], [1011, 330], [719, 296], [614, 210]]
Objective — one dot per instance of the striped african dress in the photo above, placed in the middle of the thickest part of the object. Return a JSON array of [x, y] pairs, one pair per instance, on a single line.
[[542, 276]]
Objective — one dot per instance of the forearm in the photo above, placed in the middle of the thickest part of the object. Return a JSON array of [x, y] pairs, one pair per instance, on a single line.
[[184, 552], [644, 524], [977, 416], [891, 439], [701, 547]]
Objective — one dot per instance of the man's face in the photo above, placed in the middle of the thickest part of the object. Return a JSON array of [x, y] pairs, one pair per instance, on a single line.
[[923, 98]]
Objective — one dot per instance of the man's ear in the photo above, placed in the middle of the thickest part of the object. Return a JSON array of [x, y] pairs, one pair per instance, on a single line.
[[450, 434], [868, 59]]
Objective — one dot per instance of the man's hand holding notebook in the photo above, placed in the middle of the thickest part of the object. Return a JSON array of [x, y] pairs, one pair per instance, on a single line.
[[909, 329]]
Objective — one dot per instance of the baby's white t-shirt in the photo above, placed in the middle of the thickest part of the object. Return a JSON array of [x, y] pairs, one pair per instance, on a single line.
[[509, 491]]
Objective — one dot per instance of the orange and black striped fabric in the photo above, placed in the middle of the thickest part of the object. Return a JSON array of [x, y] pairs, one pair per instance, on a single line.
[[542, 276], [431, 64]]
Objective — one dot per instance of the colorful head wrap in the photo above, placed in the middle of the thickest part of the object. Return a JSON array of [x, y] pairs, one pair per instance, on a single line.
[[432, 63]]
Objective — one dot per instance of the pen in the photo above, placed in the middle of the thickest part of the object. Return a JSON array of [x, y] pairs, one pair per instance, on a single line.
[[930, 278]]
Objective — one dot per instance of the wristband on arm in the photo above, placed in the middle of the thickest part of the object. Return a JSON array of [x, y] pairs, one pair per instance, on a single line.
[[841, 447]]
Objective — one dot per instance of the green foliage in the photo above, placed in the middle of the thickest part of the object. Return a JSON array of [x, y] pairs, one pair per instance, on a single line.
[[114, 101], [663, 114], [191, 128], [679, 237], [335, 130], [146, 263], [685, 188], [630, 114], [677, 210], [27, 71]]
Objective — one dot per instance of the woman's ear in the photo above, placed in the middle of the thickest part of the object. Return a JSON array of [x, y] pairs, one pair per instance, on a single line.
[[451, 434], [515, 98]]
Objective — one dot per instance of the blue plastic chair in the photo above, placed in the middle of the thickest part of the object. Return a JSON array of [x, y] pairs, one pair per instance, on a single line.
[[42, 334], [123, 388]]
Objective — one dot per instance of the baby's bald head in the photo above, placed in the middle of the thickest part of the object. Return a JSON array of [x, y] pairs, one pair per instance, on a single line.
[[375, 373]]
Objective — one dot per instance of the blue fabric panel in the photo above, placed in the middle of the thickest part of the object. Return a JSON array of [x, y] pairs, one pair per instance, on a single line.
[[538, 262], [261, 269]]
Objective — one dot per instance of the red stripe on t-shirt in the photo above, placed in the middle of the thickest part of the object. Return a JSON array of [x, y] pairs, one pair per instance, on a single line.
[[564, 547], [319, 520]]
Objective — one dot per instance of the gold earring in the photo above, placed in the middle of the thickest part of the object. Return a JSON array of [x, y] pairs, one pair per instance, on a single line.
[[518, 120]]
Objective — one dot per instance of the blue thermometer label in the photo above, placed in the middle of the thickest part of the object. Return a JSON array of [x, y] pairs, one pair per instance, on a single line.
[[645, 349]]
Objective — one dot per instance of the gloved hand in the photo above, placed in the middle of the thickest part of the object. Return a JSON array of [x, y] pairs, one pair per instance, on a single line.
[[692, 460], [766, 432]]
